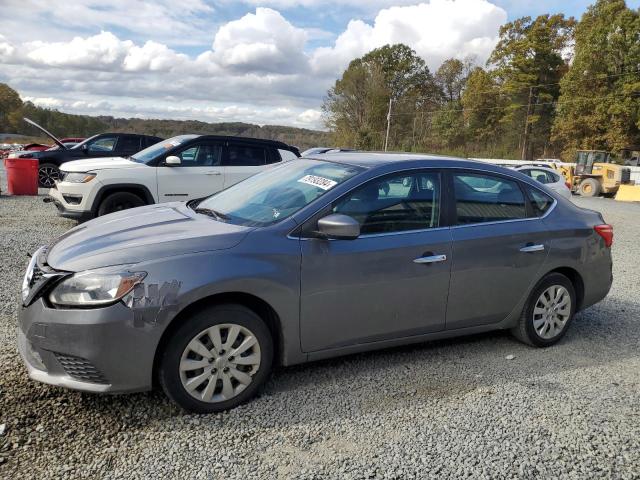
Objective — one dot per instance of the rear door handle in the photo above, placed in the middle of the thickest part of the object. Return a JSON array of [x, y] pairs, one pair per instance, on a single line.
[[431, 259], [532, 248], [213, 173]]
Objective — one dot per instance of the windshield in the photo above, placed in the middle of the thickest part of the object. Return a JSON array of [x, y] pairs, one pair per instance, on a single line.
[[150, 153], [277, 193]]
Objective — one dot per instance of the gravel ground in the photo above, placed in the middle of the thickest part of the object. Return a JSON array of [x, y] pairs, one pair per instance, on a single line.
[[446, 409]]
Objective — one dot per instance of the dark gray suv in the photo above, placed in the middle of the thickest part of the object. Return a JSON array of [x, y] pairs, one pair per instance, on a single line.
[[313, 259]]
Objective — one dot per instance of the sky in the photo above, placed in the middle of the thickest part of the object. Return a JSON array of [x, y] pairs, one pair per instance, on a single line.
[[257, 61]]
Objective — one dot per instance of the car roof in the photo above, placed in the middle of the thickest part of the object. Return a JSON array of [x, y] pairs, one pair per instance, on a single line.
[[264, 141], [376, 159]]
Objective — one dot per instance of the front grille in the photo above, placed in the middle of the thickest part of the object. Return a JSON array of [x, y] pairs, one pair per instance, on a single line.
[[80, 368]]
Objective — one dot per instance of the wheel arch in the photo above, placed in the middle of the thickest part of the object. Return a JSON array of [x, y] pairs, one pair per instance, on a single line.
[[576, 280], [256, 304], [141, 190]]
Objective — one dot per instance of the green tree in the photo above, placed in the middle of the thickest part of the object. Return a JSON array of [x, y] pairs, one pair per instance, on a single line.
[[531, 52], [10, 109], [483, 109], [599, 105], [356, 106]]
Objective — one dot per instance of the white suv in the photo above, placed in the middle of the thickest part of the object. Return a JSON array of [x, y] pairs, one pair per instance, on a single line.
[[180, 168]]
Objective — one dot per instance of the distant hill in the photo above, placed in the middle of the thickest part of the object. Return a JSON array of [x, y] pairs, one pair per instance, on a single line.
[[12, 110]]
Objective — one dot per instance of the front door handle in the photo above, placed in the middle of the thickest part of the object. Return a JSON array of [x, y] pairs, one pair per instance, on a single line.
[[431, 259], [529, 248], [213, 173]]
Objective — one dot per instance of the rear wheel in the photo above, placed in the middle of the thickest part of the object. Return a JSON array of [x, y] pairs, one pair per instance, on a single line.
[[217, 359], [48, 174], [548, 312], [118, 201], [589, 187]]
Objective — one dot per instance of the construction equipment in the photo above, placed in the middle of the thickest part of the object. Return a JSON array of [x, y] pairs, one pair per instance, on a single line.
[[595, 173]]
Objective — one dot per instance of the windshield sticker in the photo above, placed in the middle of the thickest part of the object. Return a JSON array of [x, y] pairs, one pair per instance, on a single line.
[[320, 182], [172, 143]]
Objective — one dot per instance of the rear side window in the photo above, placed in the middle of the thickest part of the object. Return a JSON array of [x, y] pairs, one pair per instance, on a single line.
[[129, 144], [246, 156], [542, 176], [484, 198], [540, 202]]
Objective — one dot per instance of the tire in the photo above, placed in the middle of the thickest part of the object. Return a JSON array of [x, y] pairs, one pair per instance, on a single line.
[[589, 187], [48, 173], [254, 369], [530, 322], [115, 202]]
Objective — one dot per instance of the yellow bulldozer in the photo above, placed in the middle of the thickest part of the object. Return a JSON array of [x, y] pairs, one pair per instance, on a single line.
[[595, 173]]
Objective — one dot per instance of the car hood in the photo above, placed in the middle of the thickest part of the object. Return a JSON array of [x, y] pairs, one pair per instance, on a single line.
[[93, 164], [141, 234]]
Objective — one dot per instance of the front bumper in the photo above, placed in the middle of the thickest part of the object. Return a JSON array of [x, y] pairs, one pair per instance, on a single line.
[[80, 211], [94, 350]]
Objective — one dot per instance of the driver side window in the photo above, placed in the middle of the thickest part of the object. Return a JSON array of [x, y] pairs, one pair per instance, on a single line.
[[104, 144], [397, 203], [203, 155]]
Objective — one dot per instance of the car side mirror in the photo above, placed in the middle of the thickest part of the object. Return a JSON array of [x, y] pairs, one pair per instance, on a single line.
[[85, 149], [339, 227], [172, 160]]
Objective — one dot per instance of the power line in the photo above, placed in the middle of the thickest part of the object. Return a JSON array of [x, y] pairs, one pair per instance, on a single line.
[[525, 88], [522, 105]]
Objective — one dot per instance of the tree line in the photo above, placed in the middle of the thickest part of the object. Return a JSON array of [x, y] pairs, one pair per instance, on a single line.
[[551, 85], [13, 110]]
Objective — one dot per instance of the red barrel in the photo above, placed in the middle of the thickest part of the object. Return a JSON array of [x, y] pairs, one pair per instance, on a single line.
[[22, 175]]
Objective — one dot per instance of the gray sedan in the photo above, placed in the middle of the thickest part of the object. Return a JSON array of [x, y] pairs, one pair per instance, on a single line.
[[313, 259]]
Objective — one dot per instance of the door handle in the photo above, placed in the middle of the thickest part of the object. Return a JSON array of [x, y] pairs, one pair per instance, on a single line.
[[431, 259], [213, 173], [529, 248]]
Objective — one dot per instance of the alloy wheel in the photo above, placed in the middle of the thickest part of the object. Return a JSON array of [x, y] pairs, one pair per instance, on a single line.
[[552, 311], [47, 176], [219, 362]]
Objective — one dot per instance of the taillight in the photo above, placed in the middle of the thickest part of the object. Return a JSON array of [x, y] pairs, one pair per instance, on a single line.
[[568, 185], [606, 232]]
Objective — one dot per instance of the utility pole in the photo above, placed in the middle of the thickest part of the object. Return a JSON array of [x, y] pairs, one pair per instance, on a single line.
[[386, 138], [526, 126]]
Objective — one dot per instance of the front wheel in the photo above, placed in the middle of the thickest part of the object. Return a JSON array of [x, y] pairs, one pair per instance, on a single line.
[[589, 187], [118, 201], [217, 359], [48, 174], [548, 312]]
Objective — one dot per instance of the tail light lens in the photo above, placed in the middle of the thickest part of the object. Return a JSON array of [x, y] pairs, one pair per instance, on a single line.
[[568, 185], [606, 232]]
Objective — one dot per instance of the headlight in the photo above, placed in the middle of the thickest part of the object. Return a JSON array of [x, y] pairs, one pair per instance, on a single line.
[[95, 287], [28, 276], [79, 177]]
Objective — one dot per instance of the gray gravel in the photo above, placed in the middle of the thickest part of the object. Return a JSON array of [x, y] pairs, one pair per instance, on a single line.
[[481, 407]]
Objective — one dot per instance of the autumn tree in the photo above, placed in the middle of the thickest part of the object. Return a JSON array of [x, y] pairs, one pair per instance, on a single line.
[[528, 63], [10, 109], [356, 106], [599, 105]]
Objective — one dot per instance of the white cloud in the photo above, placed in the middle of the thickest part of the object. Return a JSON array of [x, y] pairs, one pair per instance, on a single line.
[[258, 67], [310, 117], [264, 41], [104, 49], [436, 30], [186, 23]]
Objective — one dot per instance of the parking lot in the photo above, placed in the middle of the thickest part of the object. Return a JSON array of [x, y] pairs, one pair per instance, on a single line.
[[484, 406]]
